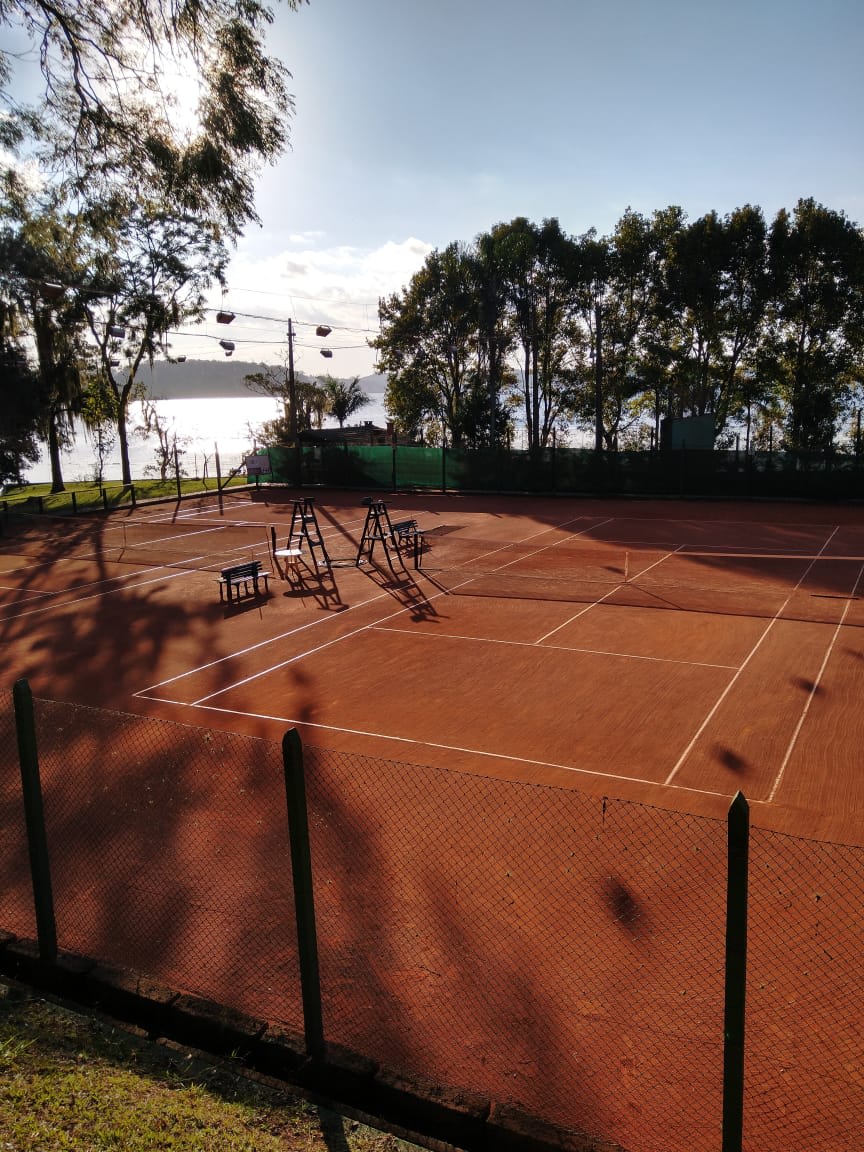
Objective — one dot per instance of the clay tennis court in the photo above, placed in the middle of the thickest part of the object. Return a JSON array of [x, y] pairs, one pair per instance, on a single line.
[[660, 650]]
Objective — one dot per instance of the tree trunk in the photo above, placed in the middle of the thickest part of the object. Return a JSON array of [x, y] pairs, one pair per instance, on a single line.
[[122, 434], [598, 378], [57, 484]]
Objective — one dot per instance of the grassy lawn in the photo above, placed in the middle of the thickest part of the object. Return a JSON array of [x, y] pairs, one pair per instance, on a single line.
[[74, 1082], [84, 496]]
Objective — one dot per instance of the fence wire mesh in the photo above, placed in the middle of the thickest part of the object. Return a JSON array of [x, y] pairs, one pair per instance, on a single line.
[[16, 890], [805, 1036], [561, 951], [549, 948], [169, 854]]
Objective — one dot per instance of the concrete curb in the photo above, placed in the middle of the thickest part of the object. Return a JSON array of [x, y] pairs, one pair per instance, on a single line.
[[457, 1117]]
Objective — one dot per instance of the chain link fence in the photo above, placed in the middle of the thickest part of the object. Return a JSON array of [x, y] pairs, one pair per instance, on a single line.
[[555, 950], [726, 474]]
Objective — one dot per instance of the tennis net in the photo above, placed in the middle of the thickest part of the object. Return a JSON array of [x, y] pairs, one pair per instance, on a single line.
[[809, 587]]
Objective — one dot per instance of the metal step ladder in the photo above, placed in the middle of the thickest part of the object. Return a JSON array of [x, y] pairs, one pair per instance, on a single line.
[[376, 530], [305, 529]]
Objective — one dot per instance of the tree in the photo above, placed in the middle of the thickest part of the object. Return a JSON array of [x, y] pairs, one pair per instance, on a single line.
[[113, 117], [20, 410], [151, 268], [542, 267], [311, 400], [99, 416], [716, 295], [344, 397], [426, 346], [170, 448], [40, 250], [816, 319]]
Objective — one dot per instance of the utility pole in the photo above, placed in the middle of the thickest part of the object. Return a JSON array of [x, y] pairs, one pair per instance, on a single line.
[[292, 385], [292, 399]]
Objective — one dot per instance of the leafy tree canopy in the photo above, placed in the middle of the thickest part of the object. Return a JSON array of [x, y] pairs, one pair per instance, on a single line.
[[107, 68]]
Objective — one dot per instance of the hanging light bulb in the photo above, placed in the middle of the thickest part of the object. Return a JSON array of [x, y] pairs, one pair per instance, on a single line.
[[228, 345]]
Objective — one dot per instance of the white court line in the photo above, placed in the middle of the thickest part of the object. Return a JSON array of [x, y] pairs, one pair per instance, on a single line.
[[260, 644], [611, 592], [813, 691], [60, 604], [105, 592], [555, 648], [596, 772], [312, 651], [747, 660], [345, 636], [25, 594]]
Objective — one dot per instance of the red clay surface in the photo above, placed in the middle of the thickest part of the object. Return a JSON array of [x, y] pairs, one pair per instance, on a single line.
[[730, 657], [662, 652]]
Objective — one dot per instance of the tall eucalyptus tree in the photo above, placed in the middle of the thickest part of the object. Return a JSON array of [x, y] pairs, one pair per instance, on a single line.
[[427, 347], [813, 351]]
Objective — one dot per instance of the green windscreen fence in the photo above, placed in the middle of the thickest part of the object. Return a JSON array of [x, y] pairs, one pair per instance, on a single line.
[[682, 472]]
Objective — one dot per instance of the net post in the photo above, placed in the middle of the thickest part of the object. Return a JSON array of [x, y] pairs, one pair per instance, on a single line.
[[626, 567], [738, 837], [34, 817], [304, 903]]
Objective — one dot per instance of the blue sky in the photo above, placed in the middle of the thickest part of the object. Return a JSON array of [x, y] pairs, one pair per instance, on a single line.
[[420, 122]]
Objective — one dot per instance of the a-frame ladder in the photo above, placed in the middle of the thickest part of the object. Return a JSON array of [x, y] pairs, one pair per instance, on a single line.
[[304, 527], [376, 530]]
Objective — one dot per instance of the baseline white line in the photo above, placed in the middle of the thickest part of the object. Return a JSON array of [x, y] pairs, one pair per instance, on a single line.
[[445, 747], [312, 651], [747, 660], [806, 709], [432, 636], [260, 644]]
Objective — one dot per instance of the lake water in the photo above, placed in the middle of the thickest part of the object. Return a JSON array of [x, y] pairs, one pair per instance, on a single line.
[[230, 424]]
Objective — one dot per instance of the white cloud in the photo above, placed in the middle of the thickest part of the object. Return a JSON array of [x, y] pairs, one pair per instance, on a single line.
[[313, 284]]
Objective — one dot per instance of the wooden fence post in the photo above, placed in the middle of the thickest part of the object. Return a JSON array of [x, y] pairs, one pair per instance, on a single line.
[[738, 832], [34, 816], [304, 903]]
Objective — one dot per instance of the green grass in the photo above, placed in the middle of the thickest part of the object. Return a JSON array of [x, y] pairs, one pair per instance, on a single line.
[[89, 496], [76, 1082]]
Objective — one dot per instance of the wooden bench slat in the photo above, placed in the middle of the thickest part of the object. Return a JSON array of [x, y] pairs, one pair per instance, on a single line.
[[238, 574]]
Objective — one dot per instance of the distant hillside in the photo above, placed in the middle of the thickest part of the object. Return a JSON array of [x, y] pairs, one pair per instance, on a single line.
[[199, 379]]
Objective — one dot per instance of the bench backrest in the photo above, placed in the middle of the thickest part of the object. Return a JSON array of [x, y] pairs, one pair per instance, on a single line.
[[250, 569]]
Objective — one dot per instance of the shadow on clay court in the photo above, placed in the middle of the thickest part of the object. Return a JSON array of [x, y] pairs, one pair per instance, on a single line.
[[730, 759], [624, 906], [808, 685], [318, 584]]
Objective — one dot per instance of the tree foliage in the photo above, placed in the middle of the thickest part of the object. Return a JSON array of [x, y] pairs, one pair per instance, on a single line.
[[113, 116], [721, 317], [344, 397]]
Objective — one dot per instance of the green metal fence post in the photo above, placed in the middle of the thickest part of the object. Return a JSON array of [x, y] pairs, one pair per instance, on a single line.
[[304, 904], [34, 816], [738, 833]]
